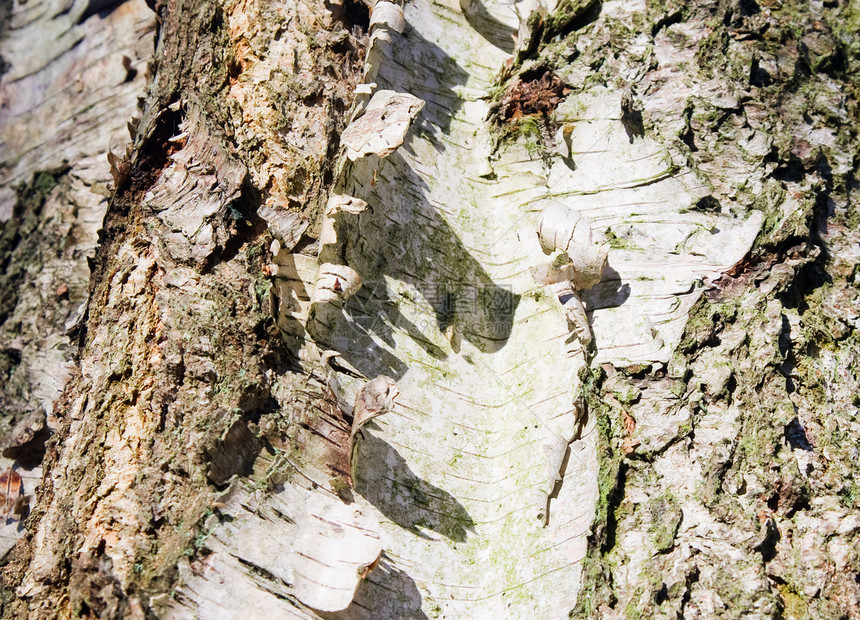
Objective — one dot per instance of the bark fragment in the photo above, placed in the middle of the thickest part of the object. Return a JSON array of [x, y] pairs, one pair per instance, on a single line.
[[382, 125], [332, 555]]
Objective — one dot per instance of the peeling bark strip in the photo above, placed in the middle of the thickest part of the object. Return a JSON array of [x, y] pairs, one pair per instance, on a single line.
[[699, 458], [373, 400], [382, 125], [333, 555], [194, 194]]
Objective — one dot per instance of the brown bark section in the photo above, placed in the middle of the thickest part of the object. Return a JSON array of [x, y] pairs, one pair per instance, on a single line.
[[178, 350], [62, 102]]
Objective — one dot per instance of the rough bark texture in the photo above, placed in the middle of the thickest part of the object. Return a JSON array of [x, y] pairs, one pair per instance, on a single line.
[[748, 505], [63, 101], [178, 352], [705, 445]]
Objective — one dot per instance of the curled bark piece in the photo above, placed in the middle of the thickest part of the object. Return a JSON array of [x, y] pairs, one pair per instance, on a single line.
[[332, 237], [386, 22], [574, 311], [374, 399], [286, 226], [577, 267], [341, 203], [562, 140], [387, 15], [562, 228], [339, 547], [560, 270], [383, 126], [564, 146], [335, 284], [561, 282], [555, 452]]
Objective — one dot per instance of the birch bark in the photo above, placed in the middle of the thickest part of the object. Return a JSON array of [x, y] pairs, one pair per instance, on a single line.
[[199, 376]]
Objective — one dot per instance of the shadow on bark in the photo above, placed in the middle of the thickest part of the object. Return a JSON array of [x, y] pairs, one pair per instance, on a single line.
[[384, 479], [404, 237], [610, 292], [420, 67], [497, 33], [388, 592]]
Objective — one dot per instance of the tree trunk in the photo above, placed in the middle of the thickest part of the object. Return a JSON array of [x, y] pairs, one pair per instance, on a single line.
[[457, 310]]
